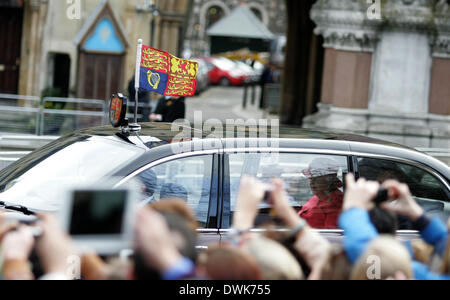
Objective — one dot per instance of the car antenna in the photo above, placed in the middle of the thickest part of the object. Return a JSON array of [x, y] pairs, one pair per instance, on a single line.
[[135, 127]]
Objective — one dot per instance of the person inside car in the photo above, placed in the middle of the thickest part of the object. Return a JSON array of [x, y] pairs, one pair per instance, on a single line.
[[323, 209], [173, 190], [150, 185]]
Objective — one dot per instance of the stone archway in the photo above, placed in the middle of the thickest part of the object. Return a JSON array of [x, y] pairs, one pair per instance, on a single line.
[[102, 47], [262, 10], [203, 11]]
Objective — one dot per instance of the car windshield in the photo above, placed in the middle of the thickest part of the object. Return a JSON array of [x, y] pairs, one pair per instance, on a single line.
[[40, 180]]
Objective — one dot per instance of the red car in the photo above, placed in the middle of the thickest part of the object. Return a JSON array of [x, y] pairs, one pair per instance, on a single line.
[[225, 72]]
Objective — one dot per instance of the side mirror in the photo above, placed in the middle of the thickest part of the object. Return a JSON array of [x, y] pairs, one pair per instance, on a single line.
[[118, 111]]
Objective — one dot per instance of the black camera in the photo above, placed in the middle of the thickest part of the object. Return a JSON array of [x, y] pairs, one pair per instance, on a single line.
[[267, 194], [382, 196]]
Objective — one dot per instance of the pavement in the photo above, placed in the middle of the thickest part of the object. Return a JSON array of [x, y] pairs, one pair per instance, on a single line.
[[224, 103]]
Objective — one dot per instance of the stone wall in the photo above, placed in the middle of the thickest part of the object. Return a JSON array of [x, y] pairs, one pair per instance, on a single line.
[[47, 29], [387, 78]]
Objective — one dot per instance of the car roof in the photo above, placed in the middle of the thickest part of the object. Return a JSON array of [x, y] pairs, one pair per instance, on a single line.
[[167, 132], [290, 137]]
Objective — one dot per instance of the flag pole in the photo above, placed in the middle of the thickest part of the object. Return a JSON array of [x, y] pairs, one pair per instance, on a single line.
[[137, 78]]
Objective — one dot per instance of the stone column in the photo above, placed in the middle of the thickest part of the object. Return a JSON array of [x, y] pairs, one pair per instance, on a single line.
[[350, 40], [402, 61], [400, 82], [408, 94], [439, 118]]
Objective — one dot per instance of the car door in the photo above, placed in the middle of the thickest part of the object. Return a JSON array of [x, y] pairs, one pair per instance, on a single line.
[[293, 167], [192, 177]]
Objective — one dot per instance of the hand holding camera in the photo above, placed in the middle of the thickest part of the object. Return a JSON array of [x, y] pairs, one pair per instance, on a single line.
[[391, 195], [251, 193], [404, 203], [359, 194]]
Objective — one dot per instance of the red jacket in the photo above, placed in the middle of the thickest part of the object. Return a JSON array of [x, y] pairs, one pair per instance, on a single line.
[[323, 213]]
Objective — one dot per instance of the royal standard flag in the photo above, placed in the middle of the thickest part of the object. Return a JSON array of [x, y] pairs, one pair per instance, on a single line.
[[166, 74]]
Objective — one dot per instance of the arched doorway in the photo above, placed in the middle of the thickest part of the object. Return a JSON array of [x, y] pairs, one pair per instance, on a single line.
[[11, 19], [213, 15], [257, 13], [102, 48], [211, 12], [260, 12]]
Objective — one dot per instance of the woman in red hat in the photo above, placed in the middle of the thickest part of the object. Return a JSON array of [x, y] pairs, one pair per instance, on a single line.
[[323, 209]]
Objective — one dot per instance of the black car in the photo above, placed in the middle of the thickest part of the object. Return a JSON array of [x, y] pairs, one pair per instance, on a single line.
[[178, 161]]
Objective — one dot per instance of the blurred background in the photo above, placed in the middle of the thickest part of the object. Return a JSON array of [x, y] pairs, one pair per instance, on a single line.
[[313, 63]]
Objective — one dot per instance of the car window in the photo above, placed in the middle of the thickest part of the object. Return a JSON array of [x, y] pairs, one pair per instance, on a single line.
[[188, 179], [314, 183], [428, 190]]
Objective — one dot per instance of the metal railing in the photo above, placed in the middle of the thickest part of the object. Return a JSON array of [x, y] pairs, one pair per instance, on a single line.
[[71, 114], [22, 143], [57, 116], [49, 116], [19, 114], [7, 158]]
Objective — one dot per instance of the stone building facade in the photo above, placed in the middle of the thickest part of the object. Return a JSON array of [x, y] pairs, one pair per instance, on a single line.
[[64, 39], [205, 13], [384, 77]]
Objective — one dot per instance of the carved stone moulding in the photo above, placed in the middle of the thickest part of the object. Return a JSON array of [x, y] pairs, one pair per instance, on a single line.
[[344, 25], [409, 15], [441, 43]]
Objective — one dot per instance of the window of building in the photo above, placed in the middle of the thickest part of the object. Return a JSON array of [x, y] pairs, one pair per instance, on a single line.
[[257, 13], [214, 14]]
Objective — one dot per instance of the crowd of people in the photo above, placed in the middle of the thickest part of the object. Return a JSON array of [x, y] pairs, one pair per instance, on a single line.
[[165, 242]]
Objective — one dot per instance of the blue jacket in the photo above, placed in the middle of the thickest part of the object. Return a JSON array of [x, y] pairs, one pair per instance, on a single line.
[[359, 232]]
